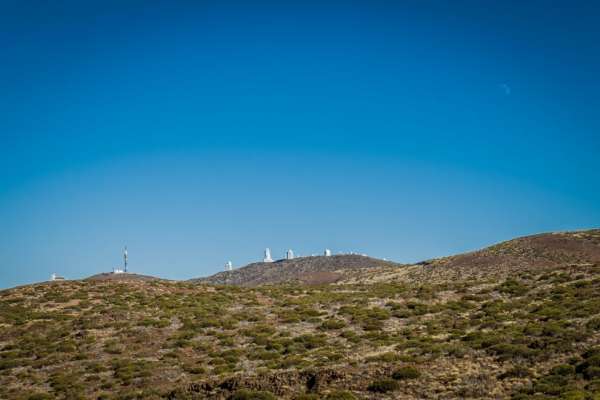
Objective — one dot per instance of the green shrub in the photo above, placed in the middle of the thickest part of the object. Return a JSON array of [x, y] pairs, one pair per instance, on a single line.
[[149, 322], [126, 370], [511, 351], [384, 357], [592, 373], [223, 369], [406, 373], [40, 396], [573, 395], [8, 364], [378, 313], [95, 367], [455, 350], [593, 386], [516, 372], [307, 396], [551, 384], [590, 367], [416, 308], [310, 341], [252, 395], [372, 324], [332, 324], [593, 324], [350, 336], [194, 369], [112, 347], [513, 287], [340, 395], [563, 369], [383, 386]]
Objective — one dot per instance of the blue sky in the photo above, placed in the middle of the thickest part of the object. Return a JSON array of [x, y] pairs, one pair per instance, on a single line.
[[202, 132]]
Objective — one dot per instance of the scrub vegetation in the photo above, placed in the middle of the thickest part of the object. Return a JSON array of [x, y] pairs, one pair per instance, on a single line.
[[531, 334]]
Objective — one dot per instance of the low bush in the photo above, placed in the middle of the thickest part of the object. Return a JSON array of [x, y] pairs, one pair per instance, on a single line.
[[40, 396], [563, 369], [383, 386], [310, 342], [513, 288], [340, 395], [307, 396], [516, 372], [593, 324], [406, 373], [574, 395], [252, 395], [384, 357], [372, 324], [332, 324], [592, 373], [506, 351]]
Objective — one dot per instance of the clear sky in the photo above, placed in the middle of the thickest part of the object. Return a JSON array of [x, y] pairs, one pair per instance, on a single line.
[[201, 132]]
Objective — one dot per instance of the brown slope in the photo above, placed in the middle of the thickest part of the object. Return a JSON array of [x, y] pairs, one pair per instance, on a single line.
[[311, 270], [546, 251]]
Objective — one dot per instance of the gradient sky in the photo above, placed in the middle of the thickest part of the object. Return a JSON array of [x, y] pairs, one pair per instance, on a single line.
[[201, 132]]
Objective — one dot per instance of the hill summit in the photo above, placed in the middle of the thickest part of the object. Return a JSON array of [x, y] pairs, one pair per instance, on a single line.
[[311, 270]]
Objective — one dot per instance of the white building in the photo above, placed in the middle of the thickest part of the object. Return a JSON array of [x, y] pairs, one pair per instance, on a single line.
[[267, 257], [118, 270], [289, 255], [327, 253], [228, 266], [55, 277]]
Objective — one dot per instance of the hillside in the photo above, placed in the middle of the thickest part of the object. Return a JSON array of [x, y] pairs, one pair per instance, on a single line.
[[313, 270], [536, 253], [525, 326], [107, 276]]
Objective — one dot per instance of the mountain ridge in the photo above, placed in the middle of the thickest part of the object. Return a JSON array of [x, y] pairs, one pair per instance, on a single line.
[[536, 251]]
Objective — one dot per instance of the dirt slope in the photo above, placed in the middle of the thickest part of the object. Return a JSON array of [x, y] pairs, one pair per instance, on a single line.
[[545, 251]]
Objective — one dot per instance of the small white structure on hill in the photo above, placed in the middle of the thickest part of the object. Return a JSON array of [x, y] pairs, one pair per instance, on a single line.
[[118, 270], [228, 266], [327, 253], [289, 255], [267, 257], [55, 277]]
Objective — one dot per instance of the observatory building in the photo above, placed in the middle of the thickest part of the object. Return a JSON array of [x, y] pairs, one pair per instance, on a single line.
[[55, 277], [289, 255], [228, 266], [327, 253], [267, 257]]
